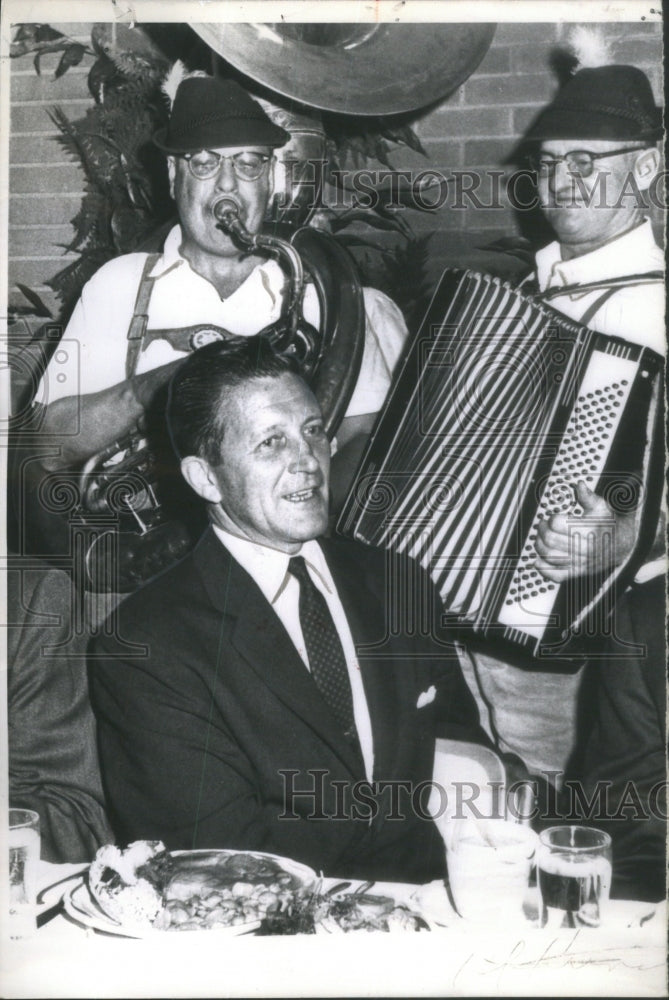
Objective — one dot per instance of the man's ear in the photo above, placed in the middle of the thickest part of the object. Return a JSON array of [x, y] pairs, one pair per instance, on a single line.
[[171, 173], [200, 477], [646, 166]]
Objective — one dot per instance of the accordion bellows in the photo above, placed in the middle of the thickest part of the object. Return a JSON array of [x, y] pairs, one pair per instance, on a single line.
[[501, 406]]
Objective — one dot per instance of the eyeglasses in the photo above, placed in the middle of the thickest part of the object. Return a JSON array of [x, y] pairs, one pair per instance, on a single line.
[[206, 164], [579, 162]]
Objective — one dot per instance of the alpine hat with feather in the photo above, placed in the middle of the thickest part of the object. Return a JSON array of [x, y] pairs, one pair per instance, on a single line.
[[212, 113], [601, 100]]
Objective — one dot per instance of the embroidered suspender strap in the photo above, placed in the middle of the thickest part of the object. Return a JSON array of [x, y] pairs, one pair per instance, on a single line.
[[140, 316], [597, 305]]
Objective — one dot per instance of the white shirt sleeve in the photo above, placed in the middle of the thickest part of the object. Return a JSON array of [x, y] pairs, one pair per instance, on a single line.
[[637, 315], [385, 335], [92, 351]]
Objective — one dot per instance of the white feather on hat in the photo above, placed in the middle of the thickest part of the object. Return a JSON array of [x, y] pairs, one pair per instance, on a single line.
[[589, 48], [175, 77]]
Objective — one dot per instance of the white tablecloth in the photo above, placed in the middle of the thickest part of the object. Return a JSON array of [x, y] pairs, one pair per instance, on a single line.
[[63, 959]]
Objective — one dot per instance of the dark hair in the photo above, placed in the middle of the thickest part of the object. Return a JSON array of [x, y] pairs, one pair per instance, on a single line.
[[194, 417]]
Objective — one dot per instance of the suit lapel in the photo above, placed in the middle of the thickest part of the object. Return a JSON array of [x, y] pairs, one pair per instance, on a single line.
[[259, 637]]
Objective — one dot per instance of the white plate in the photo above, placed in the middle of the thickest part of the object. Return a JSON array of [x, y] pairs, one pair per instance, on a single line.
[[80, 905]]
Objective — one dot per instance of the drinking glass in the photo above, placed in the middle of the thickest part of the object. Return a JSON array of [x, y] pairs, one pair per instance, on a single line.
[[24, 850], [489, 863], [574, 875]]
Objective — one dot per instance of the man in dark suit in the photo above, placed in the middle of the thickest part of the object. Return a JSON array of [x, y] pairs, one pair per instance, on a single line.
[[249, 717]]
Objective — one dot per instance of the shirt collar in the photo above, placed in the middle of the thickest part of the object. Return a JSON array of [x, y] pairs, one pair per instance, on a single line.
[[612, 260], [170, 257], [265, 279], [267, 567]]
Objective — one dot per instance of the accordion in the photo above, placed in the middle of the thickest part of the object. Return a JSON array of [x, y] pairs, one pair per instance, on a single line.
[[501, 406]]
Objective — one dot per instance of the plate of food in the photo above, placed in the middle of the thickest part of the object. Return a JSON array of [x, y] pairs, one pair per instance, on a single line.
[[144, 890]]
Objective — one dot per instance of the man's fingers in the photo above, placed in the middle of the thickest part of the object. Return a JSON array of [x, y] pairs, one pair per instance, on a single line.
[[550, 554], [551, 540], [593, 505], [585, 496], [559, 523], [553, 573]]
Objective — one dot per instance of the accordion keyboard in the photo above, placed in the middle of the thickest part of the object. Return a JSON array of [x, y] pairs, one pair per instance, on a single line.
[[582, 455]]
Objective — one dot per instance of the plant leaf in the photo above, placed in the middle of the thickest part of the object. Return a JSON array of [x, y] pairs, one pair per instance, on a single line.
[[33, 298], [45, 33], [404, 135], [72, 56], [359, 241], [370, 218], [514, 246], [25, 32]]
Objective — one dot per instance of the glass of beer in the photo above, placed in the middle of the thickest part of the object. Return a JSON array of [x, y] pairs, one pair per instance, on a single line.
[[574, 875], [24, 851]]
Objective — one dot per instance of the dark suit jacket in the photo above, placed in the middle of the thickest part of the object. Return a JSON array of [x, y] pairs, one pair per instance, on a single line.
[[53, 761], [196, 731]]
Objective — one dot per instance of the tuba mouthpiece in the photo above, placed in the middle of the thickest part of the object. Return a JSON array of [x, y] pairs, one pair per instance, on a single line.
[[226, 212]]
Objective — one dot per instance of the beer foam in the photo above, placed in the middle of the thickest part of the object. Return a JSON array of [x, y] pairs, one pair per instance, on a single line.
[[575, 866], [25, 836]]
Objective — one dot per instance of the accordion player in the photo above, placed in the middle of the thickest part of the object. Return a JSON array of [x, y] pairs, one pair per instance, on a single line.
[[501, 406]]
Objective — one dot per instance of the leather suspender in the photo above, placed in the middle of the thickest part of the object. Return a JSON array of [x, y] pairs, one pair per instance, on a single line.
[[140, 318], [530, 286], [597, 305]]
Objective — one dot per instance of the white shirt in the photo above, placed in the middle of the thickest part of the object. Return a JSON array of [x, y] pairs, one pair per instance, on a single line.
[[95, 340], [268, 568], [634, 312]]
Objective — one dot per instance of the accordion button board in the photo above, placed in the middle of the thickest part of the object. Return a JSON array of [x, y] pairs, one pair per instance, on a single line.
[[581, 456]]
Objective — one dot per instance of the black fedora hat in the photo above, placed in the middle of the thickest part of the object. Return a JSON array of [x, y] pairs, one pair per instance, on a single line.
[[602, 102], [209, 113]]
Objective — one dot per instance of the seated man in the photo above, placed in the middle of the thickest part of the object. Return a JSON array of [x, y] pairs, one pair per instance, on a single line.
[[53, 761], [269, 690], [134, 321]]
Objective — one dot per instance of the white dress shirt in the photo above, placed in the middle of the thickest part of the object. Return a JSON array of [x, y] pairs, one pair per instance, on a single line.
[[268, 568]]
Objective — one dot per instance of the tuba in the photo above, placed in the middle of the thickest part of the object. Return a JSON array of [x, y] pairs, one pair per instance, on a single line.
[[353, 69]]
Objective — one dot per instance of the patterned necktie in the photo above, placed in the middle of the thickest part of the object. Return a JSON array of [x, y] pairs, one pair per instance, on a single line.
[[324, 649]]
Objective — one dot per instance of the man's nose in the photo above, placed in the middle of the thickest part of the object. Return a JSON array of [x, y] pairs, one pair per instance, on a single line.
[[226, 179], [560, 178], [303, 458]]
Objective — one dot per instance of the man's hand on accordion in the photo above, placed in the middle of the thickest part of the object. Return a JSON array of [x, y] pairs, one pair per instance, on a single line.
[[570, 545]]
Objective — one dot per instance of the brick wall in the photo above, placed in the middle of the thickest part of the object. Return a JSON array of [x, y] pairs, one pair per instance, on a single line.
[[476, 127], [45, 185]]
